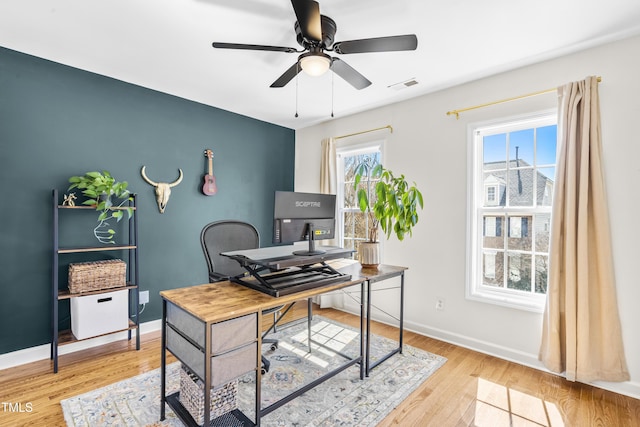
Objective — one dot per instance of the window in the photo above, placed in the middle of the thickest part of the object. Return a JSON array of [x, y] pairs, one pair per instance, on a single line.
[[353, 224], [510, 191], [491, 195]]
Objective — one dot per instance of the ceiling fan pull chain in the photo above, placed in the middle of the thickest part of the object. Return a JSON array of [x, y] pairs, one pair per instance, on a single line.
[[297, 73], [332, 95]]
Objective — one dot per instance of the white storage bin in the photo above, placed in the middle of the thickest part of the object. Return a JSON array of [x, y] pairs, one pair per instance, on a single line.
[[99, 314]]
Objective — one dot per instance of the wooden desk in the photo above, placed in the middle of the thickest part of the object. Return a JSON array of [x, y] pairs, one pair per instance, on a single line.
[[219, 302]]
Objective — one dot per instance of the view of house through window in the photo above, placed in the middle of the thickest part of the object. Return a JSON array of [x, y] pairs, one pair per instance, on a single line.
[[512, 188], [354, 224]]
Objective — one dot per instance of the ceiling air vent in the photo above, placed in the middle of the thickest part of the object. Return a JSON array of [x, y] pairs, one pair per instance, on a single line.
[[403, 85]]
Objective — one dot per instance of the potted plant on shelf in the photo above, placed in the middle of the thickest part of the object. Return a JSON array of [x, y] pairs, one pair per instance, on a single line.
[[101, 188], [392, 206]]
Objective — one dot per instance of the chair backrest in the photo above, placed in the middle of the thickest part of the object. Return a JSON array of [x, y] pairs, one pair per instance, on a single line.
[[225, 236]]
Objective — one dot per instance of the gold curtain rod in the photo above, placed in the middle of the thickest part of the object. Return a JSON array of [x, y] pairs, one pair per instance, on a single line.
[[515, 98], [365, 131]]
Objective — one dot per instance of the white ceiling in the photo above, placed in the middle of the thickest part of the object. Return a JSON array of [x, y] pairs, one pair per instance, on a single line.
[[165, 45]]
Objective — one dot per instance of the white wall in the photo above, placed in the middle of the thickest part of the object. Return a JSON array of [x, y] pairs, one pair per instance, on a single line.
[[430, 148]]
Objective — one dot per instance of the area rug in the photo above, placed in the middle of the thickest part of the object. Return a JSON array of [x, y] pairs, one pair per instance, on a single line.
[[343, 400]]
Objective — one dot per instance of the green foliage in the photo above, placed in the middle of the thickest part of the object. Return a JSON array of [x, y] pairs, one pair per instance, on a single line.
[[100, 188], [395, 206]]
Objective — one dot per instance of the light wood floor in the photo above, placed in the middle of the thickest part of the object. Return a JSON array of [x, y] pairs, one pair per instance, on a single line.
[[471, 389]]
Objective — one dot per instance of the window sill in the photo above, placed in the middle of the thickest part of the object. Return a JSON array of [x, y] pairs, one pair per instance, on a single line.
[[534, 303]]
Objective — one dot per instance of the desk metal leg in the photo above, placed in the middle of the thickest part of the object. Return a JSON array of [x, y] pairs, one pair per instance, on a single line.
[[207, 374], [309, 319], [363, 369], [400, 340], [163, 361], [367, 361], [258, 389], [370, 366]]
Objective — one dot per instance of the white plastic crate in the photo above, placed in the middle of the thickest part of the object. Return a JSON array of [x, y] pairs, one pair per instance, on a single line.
[[99, 314]]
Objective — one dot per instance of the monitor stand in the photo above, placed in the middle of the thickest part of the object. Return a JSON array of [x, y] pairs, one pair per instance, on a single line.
[[312, 244]]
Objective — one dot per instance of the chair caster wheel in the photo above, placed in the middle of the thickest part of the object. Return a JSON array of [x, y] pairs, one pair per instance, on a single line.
[[274, 347], [263, 371]]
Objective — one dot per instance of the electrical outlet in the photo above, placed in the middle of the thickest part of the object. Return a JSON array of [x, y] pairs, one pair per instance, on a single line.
[[144, 297], [440, 304]]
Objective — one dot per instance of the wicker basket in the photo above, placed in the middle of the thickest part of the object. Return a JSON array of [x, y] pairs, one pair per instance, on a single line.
[[223, 399], [97, 275]]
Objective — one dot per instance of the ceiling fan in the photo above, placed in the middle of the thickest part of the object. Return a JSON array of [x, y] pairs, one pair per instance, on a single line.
[[315, 33]]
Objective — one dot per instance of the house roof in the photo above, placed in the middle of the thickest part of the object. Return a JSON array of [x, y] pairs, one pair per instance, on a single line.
[[518, 177]]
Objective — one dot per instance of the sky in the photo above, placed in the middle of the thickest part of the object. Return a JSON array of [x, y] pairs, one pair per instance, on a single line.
[[540, 153]]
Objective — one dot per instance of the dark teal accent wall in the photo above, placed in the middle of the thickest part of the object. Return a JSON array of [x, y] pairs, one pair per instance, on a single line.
[[57, 121]]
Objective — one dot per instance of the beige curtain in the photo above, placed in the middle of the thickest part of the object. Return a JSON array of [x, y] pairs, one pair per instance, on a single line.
[[328, 185], [581, 327], [328, 167]]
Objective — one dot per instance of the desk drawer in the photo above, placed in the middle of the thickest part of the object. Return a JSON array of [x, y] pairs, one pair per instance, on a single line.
[[225, 335], [224, 367]]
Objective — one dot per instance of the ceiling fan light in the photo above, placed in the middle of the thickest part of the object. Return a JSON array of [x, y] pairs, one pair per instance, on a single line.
[[315, 64]]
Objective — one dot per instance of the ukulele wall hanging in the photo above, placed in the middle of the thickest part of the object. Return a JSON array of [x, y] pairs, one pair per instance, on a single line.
[[209, 187]]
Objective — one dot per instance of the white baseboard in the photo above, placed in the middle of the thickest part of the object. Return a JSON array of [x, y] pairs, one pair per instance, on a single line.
[[42, 352], [627, 388]]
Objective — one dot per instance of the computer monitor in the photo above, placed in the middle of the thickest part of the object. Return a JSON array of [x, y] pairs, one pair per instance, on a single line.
[[303, 216]]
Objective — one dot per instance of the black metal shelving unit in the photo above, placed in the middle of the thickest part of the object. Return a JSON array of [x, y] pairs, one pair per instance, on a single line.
[[59, 337]]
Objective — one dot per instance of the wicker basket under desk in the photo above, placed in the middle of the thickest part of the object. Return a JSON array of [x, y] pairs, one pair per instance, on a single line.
[[97, 275], [223, 399]]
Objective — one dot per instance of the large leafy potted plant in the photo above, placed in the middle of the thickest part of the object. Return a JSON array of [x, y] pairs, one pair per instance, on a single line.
[[392, 206], [100, 189]]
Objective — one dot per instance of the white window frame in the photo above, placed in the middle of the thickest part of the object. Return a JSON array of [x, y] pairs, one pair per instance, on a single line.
[[342, 151], [476, 193]]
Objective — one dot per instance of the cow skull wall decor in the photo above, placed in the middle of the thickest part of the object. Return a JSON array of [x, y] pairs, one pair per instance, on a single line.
[[163, 189]]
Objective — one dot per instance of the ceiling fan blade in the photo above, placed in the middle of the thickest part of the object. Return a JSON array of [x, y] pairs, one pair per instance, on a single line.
[[287, 76], [253, 47], [348, 73], [379, 44], [308, 15]]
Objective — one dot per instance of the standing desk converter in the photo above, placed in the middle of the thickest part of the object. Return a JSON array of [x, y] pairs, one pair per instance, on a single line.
[[277, 271]]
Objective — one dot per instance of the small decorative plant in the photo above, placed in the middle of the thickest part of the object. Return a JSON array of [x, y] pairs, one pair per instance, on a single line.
[[395, 206], [101, 188]]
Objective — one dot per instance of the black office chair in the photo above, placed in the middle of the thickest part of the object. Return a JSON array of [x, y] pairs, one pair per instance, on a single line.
[[226, 236]]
